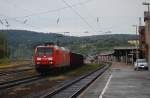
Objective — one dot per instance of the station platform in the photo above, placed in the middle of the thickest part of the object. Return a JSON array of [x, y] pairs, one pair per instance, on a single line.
[[120, 81]]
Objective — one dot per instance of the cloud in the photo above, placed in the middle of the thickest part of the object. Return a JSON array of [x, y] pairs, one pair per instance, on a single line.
[[114, 15]]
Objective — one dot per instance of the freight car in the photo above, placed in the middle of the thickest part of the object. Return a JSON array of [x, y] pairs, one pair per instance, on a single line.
[[76, 59], [50, 56]]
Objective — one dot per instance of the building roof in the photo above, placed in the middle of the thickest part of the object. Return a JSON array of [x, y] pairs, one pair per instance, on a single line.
[[125, 48], [106, 53]]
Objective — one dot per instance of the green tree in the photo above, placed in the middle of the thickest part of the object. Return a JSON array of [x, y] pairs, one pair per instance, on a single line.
[[3, 46]]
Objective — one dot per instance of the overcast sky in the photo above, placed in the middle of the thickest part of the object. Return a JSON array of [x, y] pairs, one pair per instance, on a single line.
[[80, 17]]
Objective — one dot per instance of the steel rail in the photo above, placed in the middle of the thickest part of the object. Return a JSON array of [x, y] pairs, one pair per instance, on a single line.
[[75, 87], [13, 83]]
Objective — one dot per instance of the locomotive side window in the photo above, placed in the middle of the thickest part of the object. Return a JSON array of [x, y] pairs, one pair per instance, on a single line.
[[44, 51]]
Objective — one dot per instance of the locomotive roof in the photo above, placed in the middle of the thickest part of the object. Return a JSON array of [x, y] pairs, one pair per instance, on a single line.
[[57, 47], [45, 46]]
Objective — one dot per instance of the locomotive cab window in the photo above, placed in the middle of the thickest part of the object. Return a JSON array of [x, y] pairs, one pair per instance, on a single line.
[[44, 51]]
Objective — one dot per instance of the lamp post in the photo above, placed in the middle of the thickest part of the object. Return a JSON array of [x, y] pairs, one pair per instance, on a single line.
[[136, 29]]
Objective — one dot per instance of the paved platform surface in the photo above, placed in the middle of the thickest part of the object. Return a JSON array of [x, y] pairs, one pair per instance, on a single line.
[[124, 83]]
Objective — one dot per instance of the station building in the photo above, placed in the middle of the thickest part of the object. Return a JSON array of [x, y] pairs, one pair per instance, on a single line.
[[125, 54]]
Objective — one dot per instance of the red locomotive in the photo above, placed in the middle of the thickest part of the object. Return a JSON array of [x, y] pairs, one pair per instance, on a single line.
[[50, 56]]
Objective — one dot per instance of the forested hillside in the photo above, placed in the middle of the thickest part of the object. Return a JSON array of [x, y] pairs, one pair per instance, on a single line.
[[21, 43]]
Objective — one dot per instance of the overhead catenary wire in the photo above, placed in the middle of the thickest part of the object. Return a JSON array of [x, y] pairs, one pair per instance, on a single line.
[[97, 20], [56, 10], [5, 22], [25, 21], [15, 6], [58, 19], [82, 18], [49, 11], [90, 15], [1, 22], [39, 13]]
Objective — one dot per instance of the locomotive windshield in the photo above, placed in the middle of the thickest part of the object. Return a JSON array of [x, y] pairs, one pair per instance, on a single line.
[[44, 51]]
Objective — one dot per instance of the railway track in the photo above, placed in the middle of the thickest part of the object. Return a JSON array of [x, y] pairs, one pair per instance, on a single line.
[[75, 87], [12, 83], [14, 71]]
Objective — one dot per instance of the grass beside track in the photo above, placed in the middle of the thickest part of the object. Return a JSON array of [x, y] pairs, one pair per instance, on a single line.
[[85, 68], [75, 72], [7, 63], [4, 62]]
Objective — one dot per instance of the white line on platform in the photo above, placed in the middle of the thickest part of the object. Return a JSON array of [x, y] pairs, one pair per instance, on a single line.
[[106, 86]]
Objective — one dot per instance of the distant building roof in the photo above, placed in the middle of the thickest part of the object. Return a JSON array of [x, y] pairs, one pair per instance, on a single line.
[[124, 48], [106, 53]]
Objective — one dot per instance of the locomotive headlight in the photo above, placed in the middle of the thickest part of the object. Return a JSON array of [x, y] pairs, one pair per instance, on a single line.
[[39, 59], [50, 59]]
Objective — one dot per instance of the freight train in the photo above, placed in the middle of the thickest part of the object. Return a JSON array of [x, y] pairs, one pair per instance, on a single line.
[[50, 56]]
